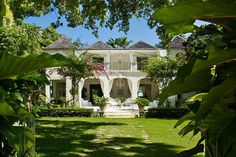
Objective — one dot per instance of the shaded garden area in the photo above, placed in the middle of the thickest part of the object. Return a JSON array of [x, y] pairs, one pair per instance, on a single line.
[[109, 137]]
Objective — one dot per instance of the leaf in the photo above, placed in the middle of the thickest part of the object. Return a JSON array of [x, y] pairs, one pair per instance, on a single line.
[[188, 116], [216, 56], [6, 110], [215, 96], [197, 97], [217, 119], [189, 153], [197, 81], [194, 106], [180, 18], [188, 128], [11, 65], [227, 139], [19, 137]]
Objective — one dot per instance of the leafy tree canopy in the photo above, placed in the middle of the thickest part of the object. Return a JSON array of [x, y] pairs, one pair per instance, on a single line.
[[23, 39], [91, 13], [162, 69]]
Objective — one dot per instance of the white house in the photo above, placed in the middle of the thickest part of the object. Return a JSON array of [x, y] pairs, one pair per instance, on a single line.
[[123, 68]]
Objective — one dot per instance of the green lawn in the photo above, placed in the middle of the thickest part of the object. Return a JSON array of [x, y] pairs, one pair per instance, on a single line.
[[100, 137]]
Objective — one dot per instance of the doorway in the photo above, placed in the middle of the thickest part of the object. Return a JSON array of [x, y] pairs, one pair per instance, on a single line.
[[95, 89]]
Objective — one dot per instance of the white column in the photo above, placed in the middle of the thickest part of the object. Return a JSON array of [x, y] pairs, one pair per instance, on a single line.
[[47, 93], [68, 88], [105, 86], [81, 85], [134, 66], [131, 59], [135, 87], [107, 60]]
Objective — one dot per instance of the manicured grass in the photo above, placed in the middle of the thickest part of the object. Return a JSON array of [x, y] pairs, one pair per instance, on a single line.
[[100, 137]]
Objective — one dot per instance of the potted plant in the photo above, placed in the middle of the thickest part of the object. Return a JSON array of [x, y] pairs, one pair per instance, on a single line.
[[121, 101], [101, 102], [141, 102]]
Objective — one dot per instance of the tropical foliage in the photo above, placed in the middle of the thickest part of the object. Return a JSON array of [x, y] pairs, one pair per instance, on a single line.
[[122, 42], [24, 39], [16, 135], [141, 102], [78, 67], [162, 69], [17, 91], [213, 109], [101, 102]]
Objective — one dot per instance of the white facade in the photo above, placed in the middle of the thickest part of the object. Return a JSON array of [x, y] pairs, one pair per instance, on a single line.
[[123, 79]]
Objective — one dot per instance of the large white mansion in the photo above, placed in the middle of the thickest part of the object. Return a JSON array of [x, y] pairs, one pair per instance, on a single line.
[[123, 67]]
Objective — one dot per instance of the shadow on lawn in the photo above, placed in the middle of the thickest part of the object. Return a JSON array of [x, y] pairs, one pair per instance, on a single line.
[[76, 138]]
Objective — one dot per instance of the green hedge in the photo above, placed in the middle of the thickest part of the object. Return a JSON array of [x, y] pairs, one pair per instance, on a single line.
[[66, 112], [166, 112]]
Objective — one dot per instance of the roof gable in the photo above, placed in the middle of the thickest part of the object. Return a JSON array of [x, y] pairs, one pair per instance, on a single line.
[[141, 45], [61, 43], [177, 42]]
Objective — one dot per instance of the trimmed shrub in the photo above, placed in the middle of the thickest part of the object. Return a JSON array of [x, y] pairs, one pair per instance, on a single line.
[[166, 112], [66, 112]]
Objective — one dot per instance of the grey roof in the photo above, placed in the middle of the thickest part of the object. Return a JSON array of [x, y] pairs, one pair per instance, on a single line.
[[98, 46], [141, 45], [177, 42], [61, 43]]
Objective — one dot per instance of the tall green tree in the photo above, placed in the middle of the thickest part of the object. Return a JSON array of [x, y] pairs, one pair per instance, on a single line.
[[25, 39], [213, 110], [162, 70], [79, 67]]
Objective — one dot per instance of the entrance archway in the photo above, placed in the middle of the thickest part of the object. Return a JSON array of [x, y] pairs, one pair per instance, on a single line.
[[149, 88], [120, 89], [91, 86]]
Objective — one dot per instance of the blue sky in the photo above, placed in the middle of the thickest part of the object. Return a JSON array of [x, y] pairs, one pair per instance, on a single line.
[[138, 31]]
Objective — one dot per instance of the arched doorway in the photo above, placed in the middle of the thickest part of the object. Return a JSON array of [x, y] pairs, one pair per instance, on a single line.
[[149, 89], [120, 89], [91, 86]]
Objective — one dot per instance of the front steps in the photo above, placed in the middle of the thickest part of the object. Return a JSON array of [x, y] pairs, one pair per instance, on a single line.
[[120, 114], [114, 112]]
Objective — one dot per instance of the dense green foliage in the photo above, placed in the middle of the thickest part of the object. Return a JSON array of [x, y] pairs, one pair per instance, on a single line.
[[198, 41], [121, 42], [18, 91], [93, 14], [213, 78], [15, 101], [142, 101], [166, 112], [66, 112], [24, 39], [101, 102], [77, 67], [162, 69]]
